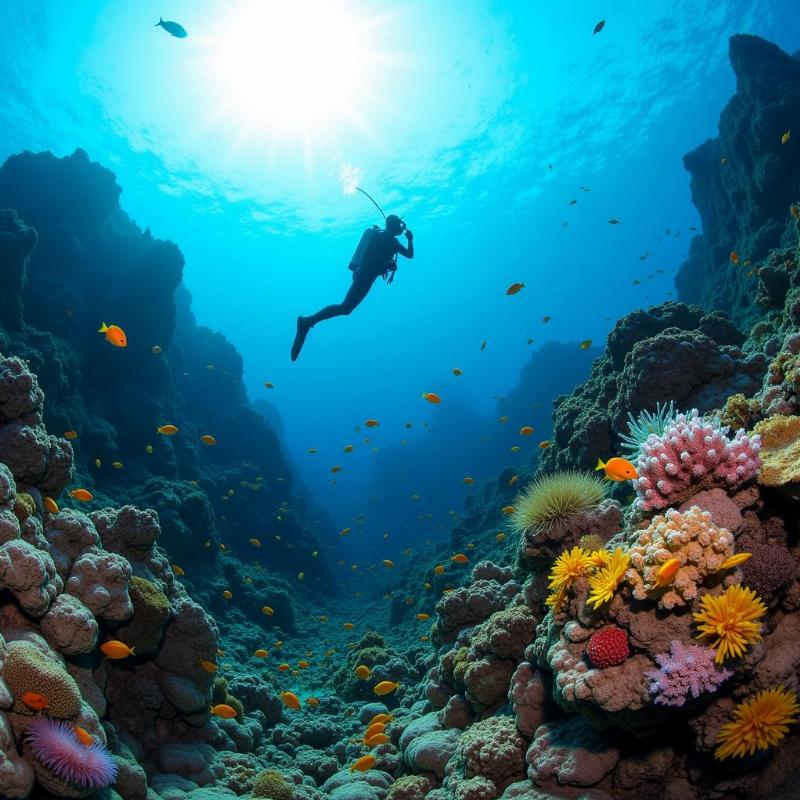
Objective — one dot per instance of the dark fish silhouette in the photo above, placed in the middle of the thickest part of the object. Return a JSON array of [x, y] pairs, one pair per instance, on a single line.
[[600, 25], [172, 28]]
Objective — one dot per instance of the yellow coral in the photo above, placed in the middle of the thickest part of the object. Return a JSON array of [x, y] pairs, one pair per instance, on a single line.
[[758, 723], [271, 784], [569, 566], [780, 450], [730, 620], [605, 581]]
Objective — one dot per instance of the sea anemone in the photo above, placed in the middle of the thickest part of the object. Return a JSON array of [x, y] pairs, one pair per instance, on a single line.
[[644, 424], [551, 503], [730, 620], [758, 723], [56, 746], [604, 582]]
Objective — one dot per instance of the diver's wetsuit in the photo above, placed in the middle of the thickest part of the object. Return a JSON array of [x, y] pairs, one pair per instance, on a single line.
[[363, 278]]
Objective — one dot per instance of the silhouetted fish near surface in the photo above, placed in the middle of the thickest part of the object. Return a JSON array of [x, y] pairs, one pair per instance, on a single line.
[[172, 28], [600, 25]]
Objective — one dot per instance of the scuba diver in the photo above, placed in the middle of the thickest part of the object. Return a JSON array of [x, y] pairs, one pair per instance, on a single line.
[[375, 255]]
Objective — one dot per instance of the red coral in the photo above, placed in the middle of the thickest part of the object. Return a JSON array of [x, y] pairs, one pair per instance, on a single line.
[[608, 648]]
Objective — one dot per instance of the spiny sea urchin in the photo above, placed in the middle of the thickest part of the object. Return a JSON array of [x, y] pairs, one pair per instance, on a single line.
[[551, 503]]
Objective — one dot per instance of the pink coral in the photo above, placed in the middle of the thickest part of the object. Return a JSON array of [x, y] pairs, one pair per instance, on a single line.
[[55, 745], [684, 671], [693, 453]]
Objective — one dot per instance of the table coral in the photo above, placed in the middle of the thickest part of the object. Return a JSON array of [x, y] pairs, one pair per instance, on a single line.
[[690, 455]]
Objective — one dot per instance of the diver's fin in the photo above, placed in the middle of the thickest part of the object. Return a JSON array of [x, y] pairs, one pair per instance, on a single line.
[[299, 338]]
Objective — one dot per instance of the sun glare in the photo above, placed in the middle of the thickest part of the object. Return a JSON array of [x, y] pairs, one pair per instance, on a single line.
[[292, 68]]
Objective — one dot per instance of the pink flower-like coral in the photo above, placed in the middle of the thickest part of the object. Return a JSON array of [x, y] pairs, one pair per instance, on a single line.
[[693, 454], [685, 671], [56, 746]]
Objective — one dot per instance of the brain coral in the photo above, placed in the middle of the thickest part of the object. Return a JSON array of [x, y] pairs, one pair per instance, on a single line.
[[30, 575], [689, 536], [100, 581], [28, 669], [69, 626]]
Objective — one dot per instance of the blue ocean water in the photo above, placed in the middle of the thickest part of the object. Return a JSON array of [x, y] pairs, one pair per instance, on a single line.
[[478, 123]]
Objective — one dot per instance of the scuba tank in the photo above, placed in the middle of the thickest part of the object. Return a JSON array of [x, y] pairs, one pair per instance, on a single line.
[[365, 250]]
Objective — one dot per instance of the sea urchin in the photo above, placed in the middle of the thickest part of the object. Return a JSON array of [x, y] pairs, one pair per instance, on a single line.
[[550, 504], [56, 746]]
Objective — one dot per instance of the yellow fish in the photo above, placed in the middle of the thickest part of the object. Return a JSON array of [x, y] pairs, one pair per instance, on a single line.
[[291, 700], [516, 448], [786, 136], [255, 542], [586, 344], [51, 505], [388, 563], [459, 558], [526, 430], [70, 435], [300, 575], [381, 717], [97, 463], [227, 594], [385, 687], [148, 449], [617, 469], [116, 464], [260, 653], [469, 481], [178, 570], [423, 617], [438, 569], [208, 439], [84, 495], [348, 448], [500, 537], [362, 672], [376, 739], [344, 531], [734, 560], [167, 430]]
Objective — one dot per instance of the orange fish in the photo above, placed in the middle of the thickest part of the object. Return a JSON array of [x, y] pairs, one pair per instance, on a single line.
[[733, 561], [291, 700], [385, 687], [51, 505], [114, 335], [208, 666], [376, 739], [469, 481], [312, 701], [513, 479], [544, 445], [514, 288], [526, 430], [734, 257], [372, 423], [70, 435], [335, 469], [508, 509], [116, 649], [268, 610], [284, 667], [83, 736], [303, 664], [432, 397], [208, 439], [167, 430], [363, 764], [500, 537], [381, 717], [348, 626], [388, 563], [617, 469], [223, 710], [460, 558], [667, 571], [362, 672], [438, 569], [34, 700], [84, 495], [178, 570], [423, 617], [348, 448]]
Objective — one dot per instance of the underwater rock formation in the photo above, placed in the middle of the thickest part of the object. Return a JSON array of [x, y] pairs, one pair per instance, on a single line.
[[71, 259], [744, 181]]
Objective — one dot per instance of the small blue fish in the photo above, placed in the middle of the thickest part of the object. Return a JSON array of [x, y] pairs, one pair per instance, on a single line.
[[172, 28]]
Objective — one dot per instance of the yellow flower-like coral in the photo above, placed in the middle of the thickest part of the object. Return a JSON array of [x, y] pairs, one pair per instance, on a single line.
[[571, 564], [605, 581], [758, 723], [730, 620]]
